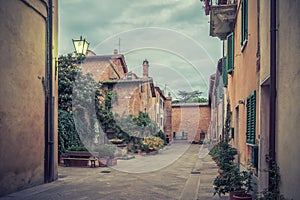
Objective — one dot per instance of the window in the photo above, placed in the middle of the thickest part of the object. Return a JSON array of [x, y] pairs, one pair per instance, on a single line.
[[230, 53], [224, 72], [244, 31], [251, 118], [254, 157]]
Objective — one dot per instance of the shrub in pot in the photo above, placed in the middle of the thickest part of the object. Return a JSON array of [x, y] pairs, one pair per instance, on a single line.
[[153, 143], [245, 186]]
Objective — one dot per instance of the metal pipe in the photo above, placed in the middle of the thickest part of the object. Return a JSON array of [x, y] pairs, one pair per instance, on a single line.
[[273, 59], [51, 103]]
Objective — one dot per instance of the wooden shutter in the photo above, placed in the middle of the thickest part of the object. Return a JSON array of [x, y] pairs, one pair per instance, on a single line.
[[224, 72], [251, 118], [244, 25], [230, 53]]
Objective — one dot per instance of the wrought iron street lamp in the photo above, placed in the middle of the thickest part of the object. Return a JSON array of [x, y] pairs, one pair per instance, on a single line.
[[81, 46]]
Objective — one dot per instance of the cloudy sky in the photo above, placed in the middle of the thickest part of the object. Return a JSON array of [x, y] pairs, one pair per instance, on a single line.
[[172, 35]]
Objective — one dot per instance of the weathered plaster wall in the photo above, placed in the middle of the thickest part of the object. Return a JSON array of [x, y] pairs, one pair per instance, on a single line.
[[264, 94], [22, 99], [244, 79], [128, 98], [288, 87]]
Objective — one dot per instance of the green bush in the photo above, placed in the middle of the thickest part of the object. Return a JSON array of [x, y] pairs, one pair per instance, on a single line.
[[145, 148], [215, 151], [153, 143], [67, 134], [162, 136], [78, 148]]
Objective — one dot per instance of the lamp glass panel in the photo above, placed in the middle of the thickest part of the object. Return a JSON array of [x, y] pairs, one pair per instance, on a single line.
[[78, 46], [85, 47]]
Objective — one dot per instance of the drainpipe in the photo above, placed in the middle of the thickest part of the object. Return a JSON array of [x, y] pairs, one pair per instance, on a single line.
[[51, 137], [273, 59], [49, 107]]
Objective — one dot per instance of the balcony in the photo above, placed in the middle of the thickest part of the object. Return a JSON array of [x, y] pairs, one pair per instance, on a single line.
[[222, 20]]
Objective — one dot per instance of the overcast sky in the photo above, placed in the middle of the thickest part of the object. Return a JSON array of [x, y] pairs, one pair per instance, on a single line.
[[172, 35]]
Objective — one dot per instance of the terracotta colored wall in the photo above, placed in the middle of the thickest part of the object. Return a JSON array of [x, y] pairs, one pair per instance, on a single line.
[[22, 96], [119, 68], [244, 79], [101, 70], [131, 100], [168, 117], [192, 119]]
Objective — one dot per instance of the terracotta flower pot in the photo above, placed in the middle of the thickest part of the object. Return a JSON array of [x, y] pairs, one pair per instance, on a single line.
[[103, 162], [241, 196]]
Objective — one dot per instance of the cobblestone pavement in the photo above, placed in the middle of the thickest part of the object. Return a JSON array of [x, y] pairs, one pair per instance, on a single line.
[[189, 176]]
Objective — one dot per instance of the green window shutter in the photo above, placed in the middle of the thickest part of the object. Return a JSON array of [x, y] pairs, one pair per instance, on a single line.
[[224, 71], [244, 31], [230, 53], [251, 118]]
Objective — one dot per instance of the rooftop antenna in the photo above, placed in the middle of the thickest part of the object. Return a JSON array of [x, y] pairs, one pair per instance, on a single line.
[[119, 45]]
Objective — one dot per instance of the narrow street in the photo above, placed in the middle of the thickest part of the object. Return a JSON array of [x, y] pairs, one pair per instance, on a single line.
[[188, 177]]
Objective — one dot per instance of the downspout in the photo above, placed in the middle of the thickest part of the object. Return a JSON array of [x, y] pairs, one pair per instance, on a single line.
[[272, 153], [51, 138], [49, 110]]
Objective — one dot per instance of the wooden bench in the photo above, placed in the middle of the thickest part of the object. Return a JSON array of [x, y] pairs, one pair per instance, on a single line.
[[80, 156]]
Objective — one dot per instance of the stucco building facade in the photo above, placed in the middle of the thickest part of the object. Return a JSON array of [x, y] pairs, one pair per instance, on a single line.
[[262, 65], [28, 94], [279, 63]]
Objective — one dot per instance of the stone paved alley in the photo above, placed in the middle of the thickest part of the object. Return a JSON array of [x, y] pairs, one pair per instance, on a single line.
[[174, 181]]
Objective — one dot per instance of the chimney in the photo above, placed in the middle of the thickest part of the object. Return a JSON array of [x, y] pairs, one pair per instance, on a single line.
[[145, 68], [115, 51]]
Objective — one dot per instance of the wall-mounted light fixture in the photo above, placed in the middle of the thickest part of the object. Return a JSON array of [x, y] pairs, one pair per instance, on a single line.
[[81, 46]]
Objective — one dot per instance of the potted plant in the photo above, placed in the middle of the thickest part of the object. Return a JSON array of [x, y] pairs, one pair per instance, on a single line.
[[116, 141], [245, 179], [229, 178], [215, 152], [153, 143]]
